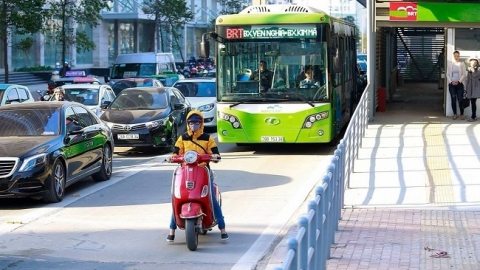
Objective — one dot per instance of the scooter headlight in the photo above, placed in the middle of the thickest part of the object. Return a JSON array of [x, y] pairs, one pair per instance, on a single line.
[[190, 157]]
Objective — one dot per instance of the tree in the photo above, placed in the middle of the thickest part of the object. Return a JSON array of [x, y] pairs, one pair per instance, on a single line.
[[230, 7], [169, 16], [18, 17], [65, 15]]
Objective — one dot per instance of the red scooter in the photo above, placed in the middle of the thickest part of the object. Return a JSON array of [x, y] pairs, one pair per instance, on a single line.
[[191, 196]]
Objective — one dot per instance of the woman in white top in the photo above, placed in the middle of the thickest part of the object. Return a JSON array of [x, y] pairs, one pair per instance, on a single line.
[[456, 75]]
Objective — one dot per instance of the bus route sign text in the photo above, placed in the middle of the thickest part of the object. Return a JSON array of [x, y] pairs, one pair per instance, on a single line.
[[255, 32]]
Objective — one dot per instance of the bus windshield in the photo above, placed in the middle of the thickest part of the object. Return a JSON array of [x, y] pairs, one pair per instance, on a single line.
[[269, 70]]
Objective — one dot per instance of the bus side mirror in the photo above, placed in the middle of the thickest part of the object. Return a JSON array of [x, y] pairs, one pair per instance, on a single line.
[[205, 47]]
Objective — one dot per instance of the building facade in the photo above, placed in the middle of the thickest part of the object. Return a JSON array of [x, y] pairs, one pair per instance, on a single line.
[[124, 29]]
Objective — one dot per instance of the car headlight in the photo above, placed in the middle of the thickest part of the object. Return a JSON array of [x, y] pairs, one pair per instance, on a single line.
[[33, 161], [156, 123], [190, 157], [206, 108]]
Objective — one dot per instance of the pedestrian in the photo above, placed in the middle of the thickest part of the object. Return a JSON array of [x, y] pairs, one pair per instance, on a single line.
[[472, 85], [441, 67], [456, 75]]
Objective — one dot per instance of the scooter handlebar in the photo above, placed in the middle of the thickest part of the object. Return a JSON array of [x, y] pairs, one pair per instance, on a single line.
[[200, 158]]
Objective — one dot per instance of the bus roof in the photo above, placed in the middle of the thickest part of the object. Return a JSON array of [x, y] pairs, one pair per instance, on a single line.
[[275, 14]]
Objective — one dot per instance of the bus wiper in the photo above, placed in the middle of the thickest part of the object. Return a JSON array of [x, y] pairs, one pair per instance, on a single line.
[[303, 99], [256, 99]]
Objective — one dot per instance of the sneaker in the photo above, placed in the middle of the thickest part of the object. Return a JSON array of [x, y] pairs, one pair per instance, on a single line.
[[462, 117], [472, 119], [454, 117], [224, 236], [171, 237]]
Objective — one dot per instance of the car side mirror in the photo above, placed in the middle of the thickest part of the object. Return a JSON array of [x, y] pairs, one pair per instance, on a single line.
[[75, 130], [105, 104], [178, 106]]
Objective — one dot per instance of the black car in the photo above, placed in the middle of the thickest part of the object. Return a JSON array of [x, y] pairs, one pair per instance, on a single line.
[[47, 146], [147, 116], [361, 77]]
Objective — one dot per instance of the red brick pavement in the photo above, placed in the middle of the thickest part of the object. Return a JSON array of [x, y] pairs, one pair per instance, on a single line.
[[396, 239]]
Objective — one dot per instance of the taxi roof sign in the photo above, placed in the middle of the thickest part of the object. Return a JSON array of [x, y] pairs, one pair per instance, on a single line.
[[75, 73], [84, 80]]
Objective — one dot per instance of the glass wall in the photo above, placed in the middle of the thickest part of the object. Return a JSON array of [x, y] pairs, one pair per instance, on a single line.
[[190, 43], [52, 48], [179, 45], [126, 37], [23, 51], [146, 34], [85, 57], [198, 38], [111, 43], [467, 39]]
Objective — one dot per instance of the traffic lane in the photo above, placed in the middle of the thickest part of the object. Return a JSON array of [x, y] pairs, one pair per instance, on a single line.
[[125, 226], [15, 210]]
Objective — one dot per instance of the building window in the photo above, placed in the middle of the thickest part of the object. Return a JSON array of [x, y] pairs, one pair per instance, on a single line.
[[126, 37], [23, 55], [85, 57]]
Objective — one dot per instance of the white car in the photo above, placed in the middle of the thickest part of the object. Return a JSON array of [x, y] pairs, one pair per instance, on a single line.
[[200, 92], [92, 96]]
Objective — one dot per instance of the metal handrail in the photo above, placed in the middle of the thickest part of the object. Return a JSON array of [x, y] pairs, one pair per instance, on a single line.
[[310, 248]]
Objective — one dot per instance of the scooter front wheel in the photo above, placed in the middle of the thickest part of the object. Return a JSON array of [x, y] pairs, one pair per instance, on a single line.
[[191, 234]]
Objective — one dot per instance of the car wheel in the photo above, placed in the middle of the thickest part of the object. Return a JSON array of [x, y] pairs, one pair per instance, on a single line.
[[173, 138], [55, 184], [106, 171]]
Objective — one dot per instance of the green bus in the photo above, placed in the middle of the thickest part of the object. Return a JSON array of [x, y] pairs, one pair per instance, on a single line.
[[285, 74]]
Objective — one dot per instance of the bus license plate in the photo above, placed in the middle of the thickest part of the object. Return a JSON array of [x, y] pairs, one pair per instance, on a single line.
[[128, 136], [272, 139]]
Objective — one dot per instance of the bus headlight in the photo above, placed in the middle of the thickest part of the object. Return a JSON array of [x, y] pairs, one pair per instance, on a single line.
[[231, 119], [308, 123]]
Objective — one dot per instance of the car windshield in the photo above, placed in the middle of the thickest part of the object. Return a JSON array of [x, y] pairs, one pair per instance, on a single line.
[[30, 122], [85, 96], [363, 65], [137, 99], [133, 70], [124, 84], [196, 89]]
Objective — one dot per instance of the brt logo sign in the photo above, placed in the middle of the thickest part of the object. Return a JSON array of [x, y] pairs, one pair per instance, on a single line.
[[403, 11]]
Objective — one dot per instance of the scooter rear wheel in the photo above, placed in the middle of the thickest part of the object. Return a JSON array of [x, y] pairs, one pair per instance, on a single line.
[[191, 234]]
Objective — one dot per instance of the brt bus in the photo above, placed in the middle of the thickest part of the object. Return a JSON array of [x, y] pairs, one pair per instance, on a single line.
[[292, 40]]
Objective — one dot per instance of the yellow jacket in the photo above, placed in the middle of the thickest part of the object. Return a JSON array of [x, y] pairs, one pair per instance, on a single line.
[[197, 141]]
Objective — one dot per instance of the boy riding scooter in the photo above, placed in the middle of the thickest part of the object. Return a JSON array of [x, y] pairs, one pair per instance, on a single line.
[[195, 140]]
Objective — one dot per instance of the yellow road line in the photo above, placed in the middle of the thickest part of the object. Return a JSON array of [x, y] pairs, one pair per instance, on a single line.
[[440, 188]]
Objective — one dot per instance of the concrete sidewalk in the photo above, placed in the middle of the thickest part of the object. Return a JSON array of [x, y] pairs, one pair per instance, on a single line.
[[416, 185]]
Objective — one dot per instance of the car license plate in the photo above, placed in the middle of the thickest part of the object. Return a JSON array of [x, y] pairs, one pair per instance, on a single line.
[[128, 136], [272, 139]]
